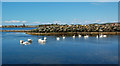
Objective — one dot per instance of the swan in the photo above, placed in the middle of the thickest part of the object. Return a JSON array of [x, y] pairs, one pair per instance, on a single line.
[[74, 36], [45, 38], [101, 36], [40, 40], [79, 36], [30, 40], [21, 41], [58, 38], [63, 37], [26, 42], [86, 36], [104, 35], [97, 36]]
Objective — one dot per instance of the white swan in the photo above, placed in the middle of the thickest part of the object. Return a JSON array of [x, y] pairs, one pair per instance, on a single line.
[[45, 38], [30, 40], [86, 36], [40, 40], [79, 36], [104, 35], [101, 36], [63, 37], [21, 41], [58, 38], [26, 42], [74, 36], [97, 36]]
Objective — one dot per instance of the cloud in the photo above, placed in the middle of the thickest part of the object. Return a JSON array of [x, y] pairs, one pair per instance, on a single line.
[[98, 21], [41, 23], [87, 21], [76, 21], [36, 22], [15, 21], [58, 22], [46, 23], [115, 21], [94, 3], [23, 21]]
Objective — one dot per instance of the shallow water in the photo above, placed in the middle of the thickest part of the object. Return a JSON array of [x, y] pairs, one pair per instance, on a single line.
[[64, 51]]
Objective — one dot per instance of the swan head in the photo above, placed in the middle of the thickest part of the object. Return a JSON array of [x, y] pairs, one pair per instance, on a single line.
[[45, 38]]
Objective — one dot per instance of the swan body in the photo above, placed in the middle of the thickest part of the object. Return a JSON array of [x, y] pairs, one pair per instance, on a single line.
[[104, 35], [30, 40], [74, 36], [86, 36], [97, 36], [79, 35], [101, 36], [40, 40], [26, 42], [58, 38], [21, 41], [63, 37]]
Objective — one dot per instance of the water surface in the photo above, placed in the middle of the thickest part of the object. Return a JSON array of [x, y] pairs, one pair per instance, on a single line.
[[17, 28], [63, 51]]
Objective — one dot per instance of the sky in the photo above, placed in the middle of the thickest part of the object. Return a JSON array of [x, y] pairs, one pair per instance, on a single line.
[[60, 0], [34, 13]]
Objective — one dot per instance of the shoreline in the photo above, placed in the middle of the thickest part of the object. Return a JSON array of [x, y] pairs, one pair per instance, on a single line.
[[62, 33], [15, 30], [75, 33]]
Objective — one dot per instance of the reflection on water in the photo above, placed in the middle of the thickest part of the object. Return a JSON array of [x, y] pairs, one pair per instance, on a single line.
[[79, 50], [42, 43]]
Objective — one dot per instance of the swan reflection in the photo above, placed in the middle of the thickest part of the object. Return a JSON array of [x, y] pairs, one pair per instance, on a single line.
[[42, 43]]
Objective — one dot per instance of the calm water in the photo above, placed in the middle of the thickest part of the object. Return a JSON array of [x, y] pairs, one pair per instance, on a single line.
[[67, 51], [16, 28]]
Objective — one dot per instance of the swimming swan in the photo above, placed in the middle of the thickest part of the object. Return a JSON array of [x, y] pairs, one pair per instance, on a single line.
[[26, 43], [86, 36], [30, 40], [63, 37], [97, 36], [45, 38], [42, 41], [79, 36], [21, 41], [58, 38], [74, 36]]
